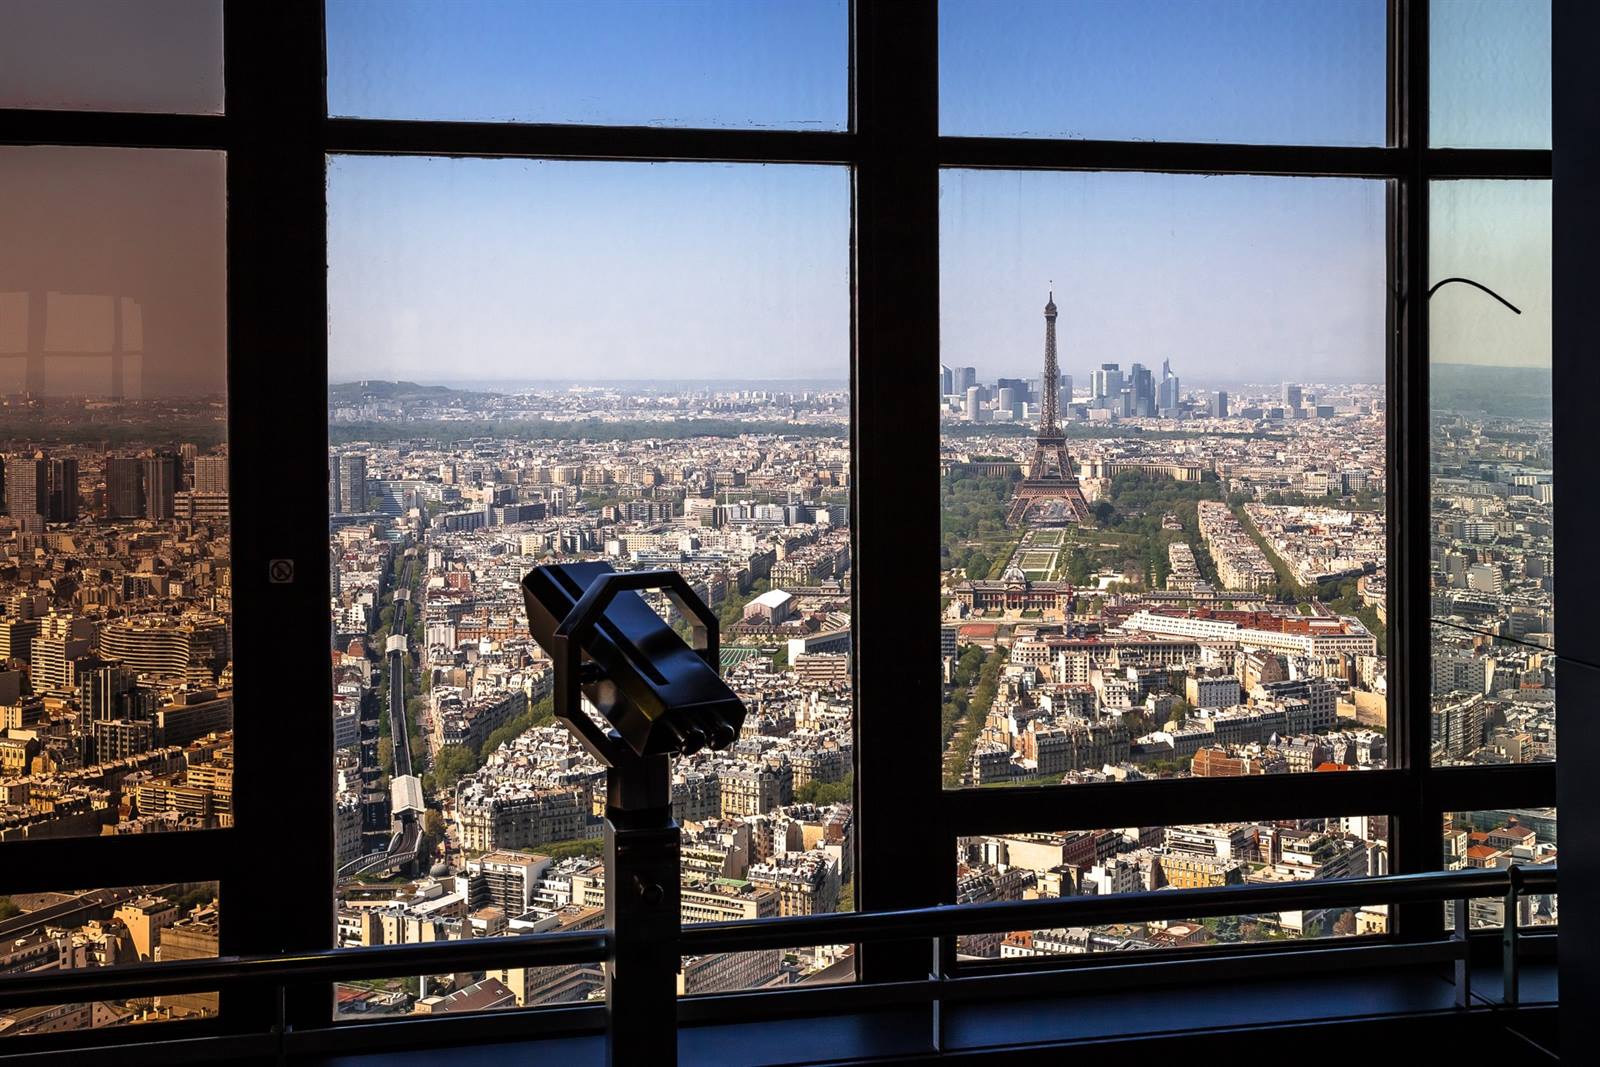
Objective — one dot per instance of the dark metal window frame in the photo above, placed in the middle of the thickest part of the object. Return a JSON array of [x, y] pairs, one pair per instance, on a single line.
[[277, 137]]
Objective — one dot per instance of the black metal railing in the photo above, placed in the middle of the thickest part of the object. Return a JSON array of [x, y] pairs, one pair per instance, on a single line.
[[270, 974]]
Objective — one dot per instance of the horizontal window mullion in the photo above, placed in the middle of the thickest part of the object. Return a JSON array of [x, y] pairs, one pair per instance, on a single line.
[[1447, 163], [1531, 785], [1160, 802], [114, 129], [45, 865], [540, 141], [1023, 153]]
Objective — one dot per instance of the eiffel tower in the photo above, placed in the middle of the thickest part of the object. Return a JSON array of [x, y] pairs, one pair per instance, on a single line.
[[1049, 495]]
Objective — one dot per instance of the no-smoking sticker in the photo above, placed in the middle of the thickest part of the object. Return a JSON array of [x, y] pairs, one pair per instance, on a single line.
[[280, 571]]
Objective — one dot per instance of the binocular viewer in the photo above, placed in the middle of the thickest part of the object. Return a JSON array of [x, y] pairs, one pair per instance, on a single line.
[[659, 696]]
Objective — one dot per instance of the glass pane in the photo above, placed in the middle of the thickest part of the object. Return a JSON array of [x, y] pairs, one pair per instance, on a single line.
[[770, 64], [1163, 523], [1490, 68], [115, 604], [1249, 71], [112, 55], [1494, 673], [91, 928], [536, 362], [1520, 837], [1140, 859]]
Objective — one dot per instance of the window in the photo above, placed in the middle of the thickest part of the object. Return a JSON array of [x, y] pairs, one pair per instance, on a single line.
[[647, 365], [492, 294]]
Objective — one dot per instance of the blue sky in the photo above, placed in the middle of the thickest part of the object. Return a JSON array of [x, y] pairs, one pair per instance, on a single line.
[[515, 270]]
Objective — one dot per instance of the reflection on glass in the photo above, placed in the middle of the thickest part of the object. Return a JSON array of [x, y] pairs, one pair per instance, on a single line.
[[1141, 859], [1509, 837], [1162, 505], [91, 928], [112, 55], [769, 64], [1489, 65], [116, 674], [1494, 675], [540, 362], [1250, 71]]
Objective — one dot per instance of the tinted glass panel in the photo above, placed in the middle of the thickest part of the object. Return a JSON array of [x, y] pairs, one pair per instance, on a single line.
[[116, 672], [774, 64], [1169, 560], [112, 55], [1253, 71], [1490, 66]]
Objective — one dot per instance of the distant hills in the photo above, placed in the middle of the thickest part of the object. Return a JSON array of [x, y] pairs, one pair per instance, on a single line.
[[1506, 392], [373, 389]]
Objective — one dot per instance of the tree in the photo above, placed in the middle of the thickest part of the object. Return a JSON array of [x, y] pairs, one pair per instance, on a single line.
[[9, 908], [386, 755], [826, 793], [452, 763]]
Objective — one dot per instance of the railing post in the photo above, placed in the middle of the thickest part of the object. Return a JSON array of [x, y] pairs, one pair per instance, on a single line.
[[1508, 937], [1463, 946], [642, 912]]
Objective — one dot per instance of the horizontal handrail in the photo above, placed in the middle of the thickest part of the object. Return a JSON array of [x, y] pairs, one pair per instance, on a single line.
[[1005, 916], [58, 986], [342, 964]]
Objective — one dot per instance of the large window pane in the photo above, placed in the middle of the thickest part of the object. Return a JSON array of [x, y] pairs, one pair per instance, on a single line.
[[1490, 73], [542, 362], [116, 592], [773, 64], [112, 55], [1140, 859], [1253, 71], [1168, 561], [91, 928], [1494, 669]]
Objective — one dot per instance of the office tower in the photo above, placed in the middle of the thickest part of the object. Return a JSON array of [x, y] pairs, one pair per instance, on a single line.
[[1291, 395], [974, 403], [64, 489], [1106, 385], [1167, 392], [160, 486], [352, 475], [62, 639], [124, 487], [1066, 390], [1217, 406], [1009, 404], [27, 485], [211, 474], [1142, 387], [966, 378], [947, 380]]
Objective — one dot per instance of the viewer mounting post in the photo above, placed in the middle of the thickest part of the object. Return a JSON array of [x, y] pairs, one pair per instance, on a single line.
[[656, 698]]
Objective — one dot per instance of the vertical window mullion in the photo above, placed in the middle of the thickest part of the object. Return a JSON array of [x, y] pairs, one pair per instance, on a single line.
[[1416, 833], [903, 858], [277, 397]]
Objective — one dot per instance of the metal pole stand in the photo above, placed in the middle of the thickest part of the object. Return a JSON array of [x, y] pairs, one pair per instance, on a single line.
[[642, 913]]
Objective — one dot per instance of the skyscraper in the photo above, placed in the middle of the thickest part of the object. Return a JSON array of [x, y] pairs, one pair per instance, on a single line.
[[211, 474], [124, 487], [1291, 395], [352, 474], [160, 485], [966, 378], [28, 487], [1105, 385], [64, 489], [947, 380]]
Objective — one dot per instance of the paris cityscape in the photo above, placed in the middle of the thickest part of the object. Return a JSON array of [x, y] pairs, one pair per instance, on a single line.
[[1199, 590]]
